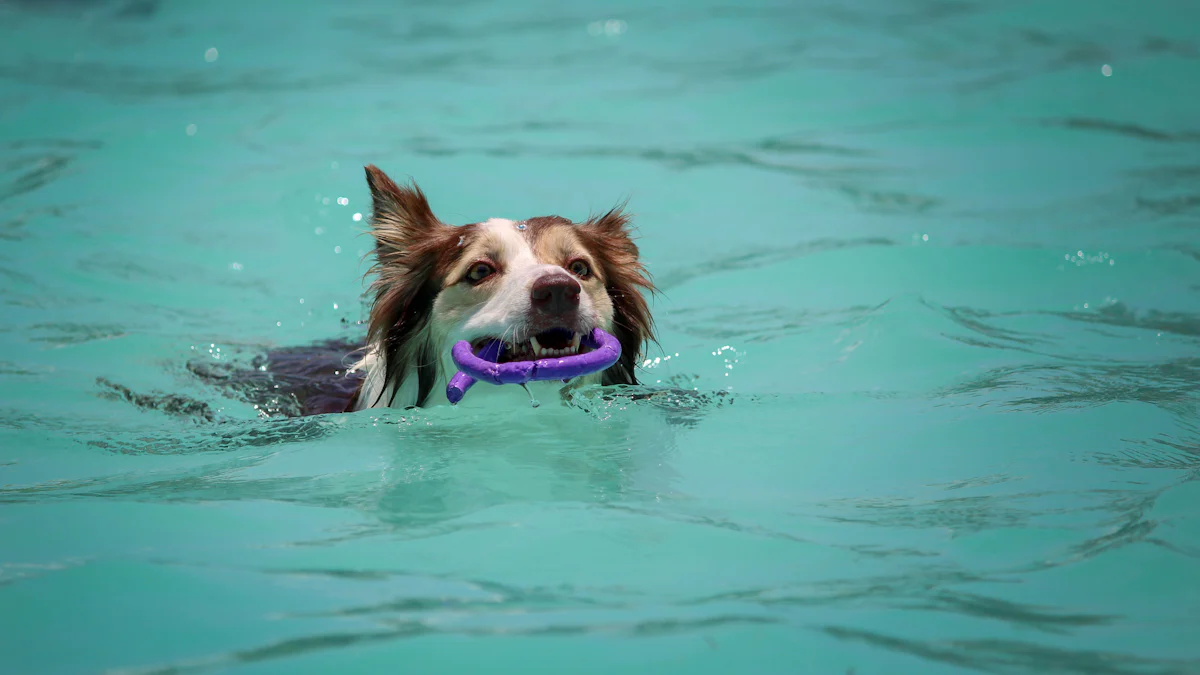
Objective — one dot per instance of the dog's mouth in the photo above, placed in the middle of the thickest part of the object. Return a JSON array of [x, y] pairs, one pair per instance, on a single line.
[[544, 345]]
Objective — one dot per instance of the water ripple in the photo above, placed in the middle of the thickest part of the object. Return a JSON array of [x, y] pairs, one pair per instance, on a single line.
[[1125, 129], [759, 257], [405, 629], [1164, 451], [701, 156], [103, 9], [755, 325], [1009, 656], [144, 82], [32, 172]]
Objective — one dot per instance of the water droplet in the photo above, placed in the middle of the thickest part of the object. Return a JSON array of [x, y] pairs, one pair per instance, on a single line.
[[924, 237], [335, 305], [337, 249], [211, 55], [342, 201], [533, 402], [1106, 70], [191, 130], [357, 217], [333, 165]]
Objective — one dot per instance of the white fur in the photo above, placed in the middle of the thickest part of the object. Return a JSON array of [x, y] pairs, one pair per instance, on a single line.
[[504, 314], [374, 383]]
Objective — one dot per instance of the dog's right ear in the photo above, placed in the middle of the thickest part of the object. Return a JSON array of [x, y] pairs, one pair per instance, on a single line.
[[401, 214]]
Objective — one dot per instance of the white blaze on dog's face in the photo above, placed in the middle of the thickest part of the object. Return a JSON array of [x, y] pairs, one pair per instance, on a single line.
[[538, 284], [532, 284]]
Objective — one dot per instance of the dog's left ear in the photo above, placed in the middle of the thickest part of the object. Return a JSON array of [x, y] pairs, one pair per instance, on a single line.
[[412, 247], [610, 237]]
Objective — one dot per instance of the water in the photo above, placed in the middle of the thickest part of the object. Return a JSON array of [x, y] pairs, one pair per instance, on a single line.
[[930, 270]]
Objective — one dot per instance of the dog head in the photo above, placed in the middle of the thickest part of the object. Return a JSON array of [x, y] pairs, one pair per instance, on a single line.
[[537, 284]]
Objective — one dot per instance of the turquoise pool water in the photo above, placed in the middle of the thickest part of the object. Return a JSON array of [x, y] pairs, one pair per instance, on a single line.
[[931, 270]]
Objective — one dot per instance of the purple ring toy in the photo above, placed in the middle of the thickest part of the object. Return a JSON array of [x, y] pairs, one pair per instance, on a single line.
[[606, 351]]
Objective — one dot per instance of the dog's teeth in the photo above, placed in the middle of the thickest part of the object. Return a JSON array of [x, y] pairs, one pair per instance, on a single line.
[[537, 348], [575, 343]]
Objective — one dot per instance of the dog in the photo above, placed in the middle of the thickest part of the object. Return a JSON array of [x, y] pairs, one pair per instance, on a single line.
[[537, 284]]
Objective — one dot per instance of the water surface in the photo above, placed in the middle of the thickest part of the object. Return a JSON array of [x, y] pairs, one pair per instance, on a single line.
[[930, 270]]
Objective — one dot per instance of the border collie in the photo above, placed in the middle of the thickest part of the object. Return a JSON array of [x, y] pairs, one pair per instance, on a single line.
[[537, 284]]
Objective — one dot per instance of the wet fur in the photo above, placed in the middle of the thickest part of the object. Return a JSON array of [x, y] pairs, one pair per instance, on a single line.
[[415, 254]]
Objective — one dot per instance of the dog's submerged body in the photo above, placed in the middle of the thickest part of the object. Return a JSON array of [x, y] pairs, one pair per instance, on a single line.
[[537, 284]]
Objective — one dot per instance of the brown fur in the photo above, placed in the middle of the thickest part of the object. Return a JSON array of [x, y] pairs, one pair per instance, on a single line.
[[413, 251], [607, 237]]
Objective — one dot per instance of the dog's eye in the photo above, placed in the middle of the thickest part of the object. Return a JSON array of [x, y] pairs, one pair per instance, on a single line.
[[580, 269], [479, 271]]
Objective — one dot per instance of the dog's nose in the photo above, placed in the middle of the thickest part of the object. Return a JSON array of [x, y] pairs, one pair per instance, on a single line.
[[555, 293]]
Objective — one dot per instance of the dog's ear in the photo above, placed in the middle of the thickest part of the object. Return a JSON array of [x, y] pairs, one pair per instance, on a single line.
[[401, 214], [412, 248], [610, 238]]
